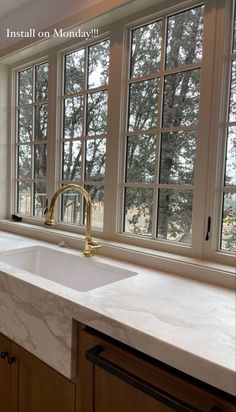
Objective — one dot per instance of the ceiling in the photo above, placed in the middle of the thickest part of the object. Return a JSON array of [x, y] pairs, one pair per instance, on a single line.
[[9, 6]]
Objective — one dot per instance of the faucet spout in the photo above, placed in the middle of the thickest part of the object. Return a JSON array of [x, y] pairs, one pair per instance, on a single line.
[[90, 244]]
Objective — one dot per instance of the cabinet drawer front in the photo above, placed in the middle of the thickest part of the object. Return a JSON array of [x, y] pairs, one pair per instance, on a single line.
[[146, 375], [94, 356]]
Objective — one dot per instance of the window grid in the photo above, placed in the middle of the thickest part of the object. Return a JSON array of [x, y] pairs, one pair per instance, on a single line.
[[161, 74], [93, 185], [31, 202]]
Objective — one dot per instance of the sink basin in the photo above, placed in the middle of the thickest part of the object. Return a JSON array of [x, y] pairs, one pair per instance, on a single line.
[[68, 269]]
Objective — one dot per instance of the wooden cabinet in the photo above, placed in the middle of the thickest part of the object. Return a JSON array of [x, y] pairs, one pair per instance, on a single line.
[[41, 388], [29, 385], [111, 377], [5, 375], [114, 378]]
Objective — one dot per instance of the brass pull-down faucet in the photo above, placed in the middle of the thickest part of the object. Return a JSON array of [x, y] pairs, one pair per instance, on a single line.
[[90, 244]]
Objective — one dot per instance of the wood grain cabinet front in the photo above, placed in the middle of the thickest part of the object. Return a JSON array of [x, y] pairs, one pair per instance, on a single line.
[[114, 378], [111, 377], [29, 385], [5, 374], [41, 388]]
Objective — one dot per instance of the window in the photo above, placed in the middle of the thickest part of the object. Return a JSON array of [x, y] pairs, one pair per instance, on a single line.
[[84, 134], [228, 235], [131, 120], [31, 147], [164, 90]]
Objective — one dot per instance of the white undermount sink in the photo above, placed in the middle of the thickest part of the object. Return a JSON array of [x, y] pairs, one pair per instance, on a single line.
[[71, 270]]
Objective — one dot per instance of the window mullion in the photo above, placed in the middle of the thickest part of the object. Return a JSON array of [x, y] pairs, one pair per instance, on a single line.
[[32, 208], [54, 114], [14, 146], [204, 130], [217, 140], [84, 132], [115, 141], [158, 130]]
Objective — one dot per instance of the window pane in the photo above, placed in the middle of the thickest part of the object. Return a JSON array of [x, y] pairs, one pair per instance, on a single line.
[[39, 199], [95, 159], [25, 87], [41, 82], [178, 157], [71, 207], [140, 159], [232, 104], [41, 122], [230, 168], [98, 69], [184, 38], [73, 117], [40, 161], [146, 49], [32, 127], [143, 105], [97, 113], [25, 125], [24, 198], [175, 215], [72, 160], [97, 196], [85, 115], [181, 98], [228, 235], [138, 211], [74, 72], [24, 161]]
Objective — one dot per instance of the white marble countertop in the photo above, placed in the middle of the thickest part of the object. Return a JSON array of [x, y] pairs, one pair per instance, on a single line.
[[184, 323]]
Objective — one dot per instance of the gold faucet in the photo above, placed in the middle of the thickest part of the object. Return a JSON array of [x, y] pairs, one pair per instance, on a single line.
[[90, 244]]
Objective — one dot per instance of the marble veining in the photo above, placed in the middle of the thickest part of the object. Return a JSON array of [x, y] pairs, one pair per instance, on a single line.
[[184, 323]]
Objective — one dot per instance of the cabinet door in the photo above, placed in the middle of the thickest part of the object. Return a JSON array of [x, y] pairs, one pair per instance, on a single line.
[[5, 375], [41, 388]]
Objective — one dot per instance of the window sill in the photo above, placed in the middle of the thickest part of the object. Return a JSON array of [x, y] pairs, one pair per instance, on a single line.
[[189, 267]]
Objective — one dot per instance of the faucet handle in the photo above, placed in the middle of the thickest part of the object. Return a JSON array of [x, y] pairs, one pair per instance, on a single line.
[[94, 245], [90, 245]]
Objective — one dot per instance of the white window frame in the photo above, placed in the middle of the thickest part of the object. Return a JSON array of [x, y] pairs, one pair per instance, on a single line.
[[212, 88], [60, 98], [40, 59], [218, 138], [126, 237]]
